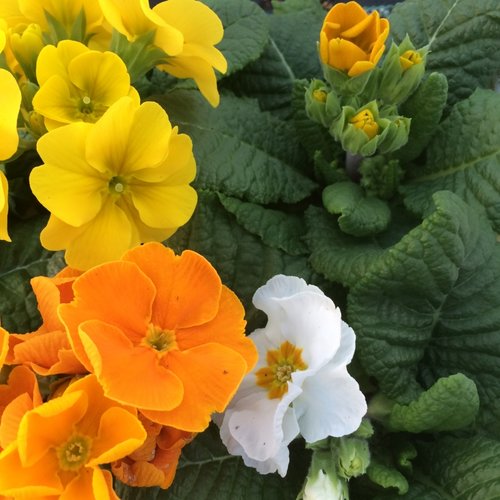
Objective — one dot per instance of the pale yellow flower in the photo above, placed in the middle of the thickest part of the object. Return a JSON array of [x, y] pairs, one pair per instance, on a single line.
[[78, 84], [114, 184]]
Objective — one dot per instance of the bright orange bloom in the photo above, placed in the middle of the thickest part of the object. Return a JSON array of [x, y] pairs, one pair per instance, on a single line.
[[162, 334], [19, 395], [47, 350], [155, 462], [61, 443], [352, 40]]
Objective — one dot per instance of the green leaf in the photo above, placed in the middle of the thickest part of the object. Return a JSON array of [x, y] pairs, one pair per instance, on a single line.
[[463, 157], [240, 150], [387, 477], [246, 31], [277, 229], [207, 472], [296, 34], [360, 215], [463, 468], [463, 35], [451, 403], [269, 79], [425, 108], [20, 261], [338, 256], [418, 491], [426, 309]]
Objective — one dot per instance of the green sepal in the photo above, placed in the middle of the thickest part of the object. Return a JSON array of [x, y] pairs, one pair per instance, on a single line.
[[360, 215], [345, 85], [322, 105], [395, 83], [140, 56]]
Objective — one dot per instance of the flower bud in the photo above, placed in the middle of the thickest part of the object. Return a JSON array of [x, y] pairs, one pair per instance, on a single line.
[[26, 43], [351, 40], [395, 134], [322, 105], [322, 480], [353, 457], [401, 72]]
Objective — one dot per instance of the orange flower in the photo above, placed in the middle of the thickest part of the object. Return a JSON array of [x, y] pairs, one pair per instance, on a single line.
[[155, 462], [47, 350], [162, 334], [19, 395], [61, 443], [352, 40]]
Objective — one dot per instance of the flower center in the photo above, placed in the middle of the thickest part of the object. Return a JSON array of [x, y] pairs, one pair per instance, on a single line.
[[281, 363], [364, 120], [74, 453], [86, 106], [159, 339], [117, 185]]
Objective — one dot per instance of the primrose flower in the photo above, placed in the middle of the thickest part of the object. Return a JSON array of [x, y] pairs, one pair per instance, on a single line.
[[169, 320], [114, 184], [47, 350], [60, 445], [300, 383], [352, 40], [78, 84], [201, 29]]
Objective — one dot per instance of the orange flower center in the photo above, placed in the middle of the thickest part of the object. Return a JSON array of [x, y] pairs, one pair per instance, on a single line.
[[74, 453], [159, 339], [281, 363]]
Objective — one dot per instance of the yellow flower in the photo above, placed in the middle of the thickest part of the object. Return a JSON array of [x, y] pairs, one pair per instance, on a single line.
[[26, 42], [60, 445], [114, 184], [352, 40], [202, 29], [4, 207], [10, 102], [134, 19], [78, 84], [365, 121]]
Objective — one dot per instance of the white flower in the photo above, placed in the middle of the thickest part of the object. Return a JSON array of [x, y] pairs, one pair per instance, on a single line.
[[300, 384]]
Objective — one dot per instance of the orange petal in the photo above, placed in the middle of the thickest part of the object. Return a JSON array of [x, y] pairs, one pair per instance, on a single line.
[[142, 474], [28, 481], [120, 433], [343, 54], [48, 298], [360, 67], [11, 417], [187, 286], [125, 370], [227, 328], [4, 345], [21, 380], [210, 374], [117, 293]]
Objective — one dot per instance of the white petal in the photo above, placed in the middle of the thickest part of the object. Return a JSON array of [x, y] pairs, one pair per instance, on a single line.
[[331, 404], [345, 352]]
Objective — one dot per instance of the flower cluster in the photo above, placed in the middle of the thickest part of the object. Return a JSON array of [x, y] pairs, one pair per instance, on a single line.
[[115, 172], [358, 101], [145, 348]]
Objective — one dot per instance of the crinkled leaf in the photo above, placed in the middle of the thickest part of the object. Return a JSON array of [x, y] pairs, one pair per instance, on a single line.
[[207, 472], [463, 157], [296, 34], [464, 39], [241, 150], [269, 79], [336, 255], [360, 215], [417, 491], [246, 31], [277, 229], [425, 108], [20, 261], [387, 477], [428, 308], [451, 403], [463, 468]]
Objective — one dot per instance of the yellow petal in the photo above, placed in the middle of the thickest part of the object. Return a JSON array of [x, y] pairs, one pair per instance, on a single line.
[[10, 102], [343, 54]]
